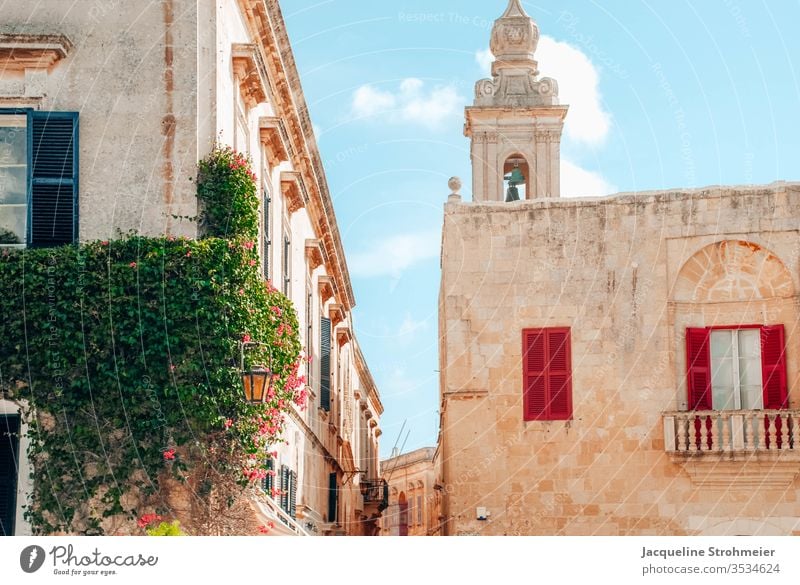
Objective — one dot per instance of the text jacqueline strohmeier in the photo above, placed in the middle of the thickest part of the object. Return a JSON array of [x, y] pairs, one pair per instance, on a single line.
[[711, 551]]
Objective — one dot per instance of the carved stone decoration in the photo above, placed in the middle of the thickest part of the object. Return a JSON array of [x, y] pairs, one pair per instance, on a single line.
[[293, 190], [19, 52], [515, 35], [326, 288], [250, 72], [275, 140], [515, 73], [315, 255], [336, 314], [343, 335]]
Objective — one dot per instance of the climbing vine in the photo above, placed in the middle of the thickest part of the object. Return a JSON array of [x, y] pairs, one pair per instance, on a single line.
[[125, 354]]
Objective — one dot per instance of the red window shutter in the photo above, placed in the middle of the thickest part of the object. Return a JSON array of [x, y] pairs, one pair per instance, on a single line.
[[698, 367], [534, 374], [559, 374], [773, 367], [547, 374]]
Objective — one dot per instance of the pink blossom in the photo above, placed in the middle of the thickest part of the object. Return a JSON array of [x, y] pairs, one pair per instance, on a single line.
[[248, 245], [246, 338], [169, 454], [147, 520], [132, 264], [252, 262], [104, 243], [228, 423]]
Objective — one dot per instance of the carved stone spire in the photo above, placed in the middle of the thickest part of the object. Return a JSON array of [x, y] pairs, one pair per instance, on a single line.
[[515, 72]]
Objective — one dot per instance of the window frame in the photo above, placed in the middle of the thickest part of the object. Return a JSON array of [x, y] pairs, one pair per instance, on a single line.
[[547, 373], [31, 115], [691, 391]]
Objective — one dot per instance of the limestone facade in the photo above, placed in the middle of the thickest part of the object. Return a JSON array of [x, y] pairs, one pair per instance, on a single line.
[[154, 85], [637, 433], [415, 497]]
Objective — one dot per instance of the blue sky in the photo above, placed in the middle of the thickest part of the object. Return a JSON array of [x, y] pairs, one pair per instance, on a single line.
[[662, 95]]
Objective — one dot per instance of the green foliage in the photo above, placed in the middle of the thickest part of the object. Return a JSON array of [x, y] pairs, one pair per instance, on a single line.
[[228, 196], [166, 529], [127, 354]]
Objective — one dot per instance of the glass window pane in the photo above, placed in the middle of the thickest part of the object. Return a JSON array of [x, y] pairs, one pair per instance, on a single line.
[[721, 344], [752, 397], [13, 179], [750, 343]]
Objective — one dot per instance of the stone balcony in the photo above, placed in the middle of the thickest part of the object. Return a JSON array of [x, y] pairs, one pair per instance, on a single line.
[[737, 448]]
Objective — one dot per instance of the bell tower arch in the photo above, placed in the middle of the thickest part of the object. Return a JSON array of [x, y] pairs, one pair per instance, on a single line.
[[515, 117]]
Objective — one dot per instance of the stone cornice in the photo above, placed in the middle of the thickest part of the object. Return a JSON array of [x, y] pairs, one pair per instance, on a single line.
[[315, 254], [266, 23], [25, 51], [294, 190]]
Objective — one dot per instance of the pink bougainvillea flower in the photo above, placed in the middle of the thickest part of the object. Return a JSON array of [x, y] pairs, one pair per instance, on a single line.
[[248, 245], [241, 292], [147, 520], [252, 262], [188, 254], [246, 338], [172, 367], [132, 264], [104, 243], [169, 454], [228, 423]]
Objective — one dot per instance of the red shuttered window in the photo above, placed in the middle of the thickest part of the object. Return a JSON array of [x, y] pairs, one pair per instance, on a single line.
[[718, 376], [547, 374]]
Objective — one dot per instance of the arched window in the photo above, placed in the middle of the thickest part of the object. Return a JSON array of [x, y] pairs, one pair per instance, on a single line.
[[403, 509], [516, 178]]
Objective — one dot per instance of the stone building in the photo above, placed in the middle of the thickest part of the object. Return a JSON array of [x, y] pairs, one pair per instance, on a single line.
[[126, 97], [619, 365], [414, 494]]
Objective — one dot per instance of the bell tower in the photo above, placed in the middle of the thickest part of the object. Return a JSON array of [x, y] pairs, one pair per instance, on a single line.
[[515, 122]]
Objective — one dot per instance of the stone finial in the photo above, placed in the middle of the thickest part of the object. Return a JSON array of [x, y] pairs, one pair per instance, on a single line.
[[515, 73], [515, 35], [455, 187]]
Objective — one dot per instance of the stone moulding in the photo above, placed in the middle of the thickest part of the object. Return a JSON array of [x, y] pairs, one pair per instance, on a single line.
[[343, 335], [250, 71], [336, 313], [275, 139], [326, 288], [315, 254], [740, 470], [25, 51], [293, 190]]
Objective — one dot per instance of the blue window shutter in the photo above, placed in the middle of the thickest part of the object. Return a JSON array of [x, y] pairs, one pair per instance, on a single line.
[[293, 494], [285, 488], [325, 364], [53, 178], [269, 481], [9, 465]]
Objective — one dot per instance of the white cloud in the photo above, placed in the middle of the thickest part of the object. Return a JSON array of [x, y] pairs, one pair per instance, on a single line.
[[395, 254], [578, 83], [409, 326], [578, 182], [411, 103]]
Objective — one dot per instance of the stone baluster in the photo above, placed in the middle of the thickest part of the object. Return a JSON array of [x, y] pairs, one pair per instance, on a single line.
[[704, 433], [724, 441], [682, 433], [773, 431], [692, 433], [784, 431], [759, 430], [795, 431]]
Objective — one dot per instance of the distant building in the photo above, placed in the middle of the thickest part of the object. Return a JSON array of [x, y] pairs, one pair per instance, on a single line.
[[121, 99], [618, 365], [414, 496]]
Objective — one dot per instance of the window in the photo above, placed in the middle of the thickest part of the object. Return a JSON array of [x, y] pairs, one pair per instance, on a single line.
[[736, 368], [287, 258], [547, 374], [309, 332], [268, 483], [9, 443], [267, 231], [325, 364], [419, 510], [38, 178], [333, 497], [410, 510]]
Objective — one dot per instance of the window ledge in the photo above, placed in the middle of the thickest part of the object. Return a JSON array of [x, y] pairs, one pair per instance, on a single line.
[[19, 52]]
